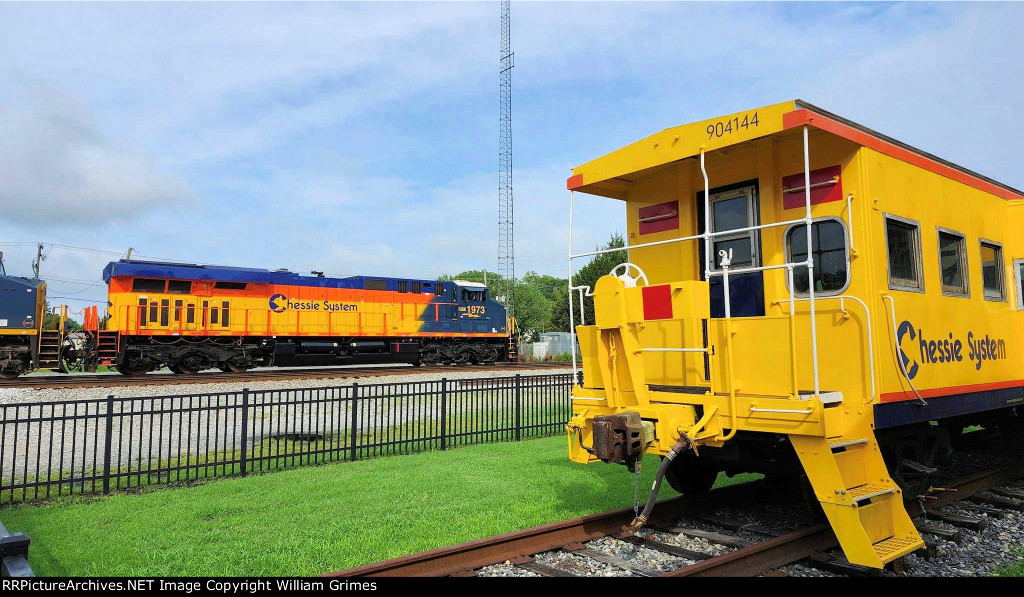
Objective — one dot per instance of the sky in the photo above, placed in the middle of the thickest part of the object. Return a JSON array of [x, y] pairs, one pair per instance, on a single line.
[[361, 138]]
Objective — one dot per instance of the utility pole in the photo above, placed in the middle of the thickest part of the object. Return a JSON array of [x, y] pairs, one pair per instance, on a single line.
[[506, 245], [39, 259]]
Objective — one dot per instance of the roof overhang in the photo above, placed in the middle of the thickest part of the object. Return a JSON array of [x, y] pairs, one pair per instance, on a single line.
[[611, 174]]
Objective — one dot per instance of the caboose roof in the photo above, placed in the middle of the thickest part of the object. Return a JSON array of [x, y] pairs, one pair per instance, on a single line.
[[220, 273], [610, 174]]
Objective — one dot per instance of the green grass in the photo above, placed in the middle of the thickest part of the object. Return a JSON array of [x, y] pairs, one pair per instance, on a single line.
[[317, 519], [1013, 570]]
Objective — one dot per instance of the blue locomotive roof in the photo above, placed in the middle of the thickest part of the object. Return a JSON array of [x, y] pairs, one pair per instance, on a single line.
[[218, 273]]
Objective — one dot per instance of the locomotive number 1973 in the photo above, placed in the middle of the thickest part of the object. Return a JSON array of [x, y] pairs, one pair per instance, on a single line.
[[724, 127]]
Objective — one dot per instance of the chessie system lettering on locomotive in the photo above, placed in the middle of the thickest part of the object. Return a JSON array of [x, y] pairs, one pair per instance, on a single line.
[[279, 303], [947, 349]]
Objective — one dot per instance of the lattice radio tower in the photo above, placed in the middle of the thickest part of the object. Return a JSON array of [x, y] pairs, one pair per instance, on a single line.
[[506, 245]]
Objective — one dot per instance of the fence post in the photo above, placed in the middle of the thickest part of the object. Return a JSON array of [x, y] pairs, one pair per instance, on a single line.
[[444, 412], [354, 422], [245, 430], [106, 447], [519, 410]]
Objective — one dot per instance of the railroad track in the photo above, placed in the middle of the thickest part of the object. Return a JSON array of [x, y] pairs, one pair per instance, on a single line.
[[114, 379], [749, 544]]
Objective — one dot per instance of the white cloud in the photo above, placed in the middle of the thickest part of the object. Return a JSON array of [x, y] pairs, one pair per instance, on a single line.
[[57, 167]]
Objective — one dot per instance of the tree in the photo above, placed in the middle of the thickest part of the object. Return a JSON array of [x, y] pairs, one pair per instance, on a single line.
[[533, 311], [600, 265]]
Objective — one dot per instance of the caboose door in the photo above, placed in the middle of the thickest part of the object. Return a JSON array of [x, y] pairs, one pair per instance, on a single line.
[[734, 207]]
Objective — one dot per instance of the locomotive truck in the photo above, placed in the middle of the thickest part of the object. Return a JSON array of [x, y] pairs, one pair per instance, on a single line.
[[725, 345]]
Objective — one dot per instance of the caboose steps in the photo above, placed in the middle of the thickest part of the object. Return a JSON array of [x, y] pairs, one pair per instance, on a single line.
[[862, 502]]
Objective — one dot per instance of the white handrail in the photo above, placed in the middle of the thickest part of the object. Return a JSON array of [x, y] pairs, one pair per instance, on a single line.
[[899, 351], [707, 236], [810, 263], [871, 343], [572, 322]]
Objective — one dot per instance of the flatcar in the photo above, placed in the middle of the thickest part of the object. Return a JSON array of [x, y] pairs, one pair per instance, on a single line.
[[725, 345], [191, 317]]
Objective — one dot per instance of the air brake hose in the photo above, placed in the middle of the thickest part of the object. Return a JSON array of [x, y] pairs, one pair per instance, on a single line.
[[681, 446]]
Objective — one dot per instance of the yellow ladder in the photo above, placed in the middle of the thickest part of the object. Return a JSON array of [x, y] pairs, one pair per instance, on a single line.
[[862, 502]]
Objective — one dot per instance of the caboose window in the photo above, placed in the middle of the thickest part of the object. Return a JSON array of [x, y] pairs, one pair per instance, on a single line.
[[179, 286], [953, 262], [148, 285], [735, 210], [1018, 273], [828, 247], [903, 241], [992, 271]]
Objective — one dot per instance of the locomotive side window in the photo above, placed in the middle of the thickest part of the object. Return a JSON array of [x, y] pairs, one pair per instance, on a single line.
[[375, 284], [190, 313], [903, 241], [828, 248], [147, 285], [142, 311], [992, 271], [953, 262], [164, 312], [224, 314], [230, 285], [179, 286], [177, 310], [734, 210]]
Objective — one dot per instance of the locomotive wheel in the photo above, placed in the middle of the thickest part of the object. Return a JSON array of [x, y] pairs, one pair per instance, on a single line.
[[689, 477], [130, 371], [233, 368], [9, 374], [430, 357], [182, 369]]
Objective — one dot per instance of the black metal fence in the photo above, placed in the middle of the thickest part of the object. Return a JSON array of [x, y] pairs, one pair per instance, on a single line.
[[50, 449]]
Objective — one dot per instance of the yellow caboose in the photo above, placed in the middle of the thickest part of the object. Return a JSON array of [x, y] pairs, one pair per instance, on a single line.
[[724, 344]]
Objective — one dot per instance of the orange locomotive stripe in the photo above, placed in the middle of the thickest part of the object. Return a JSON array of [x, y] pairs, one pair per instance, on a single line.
[[951, 390], [801, 117]]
